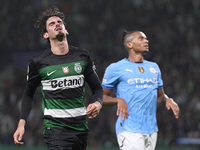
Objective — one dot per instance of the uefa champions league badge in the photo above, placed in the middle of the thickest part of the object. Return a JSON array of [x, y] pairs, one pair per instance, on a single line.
[[78, 68]]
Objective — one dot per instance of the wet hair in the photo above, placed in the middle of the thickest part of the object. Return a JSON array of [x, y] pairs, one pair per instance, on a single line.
[[44, 16]]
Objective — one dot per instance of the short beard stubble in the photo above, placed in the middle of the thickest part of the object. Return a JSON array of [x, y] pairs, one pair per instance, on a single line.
[[60, 35]]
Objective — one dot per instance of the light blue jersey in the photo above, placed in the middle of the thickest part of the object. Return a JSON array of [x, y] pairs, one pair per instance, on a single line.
[[137, 84]]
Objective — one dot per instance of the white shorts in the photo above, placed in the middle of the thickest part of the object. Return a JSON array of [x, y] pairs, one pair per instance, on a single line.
[[137, 141]]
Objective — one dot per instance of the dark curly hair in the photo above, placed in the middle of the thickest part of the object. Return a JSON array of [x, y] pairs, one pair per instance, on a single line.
[[41, 21]]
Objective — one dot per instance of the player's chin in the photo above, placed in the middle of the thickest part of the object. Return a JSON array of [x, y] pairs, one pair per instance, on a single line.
[[145, 51], [60, 34]]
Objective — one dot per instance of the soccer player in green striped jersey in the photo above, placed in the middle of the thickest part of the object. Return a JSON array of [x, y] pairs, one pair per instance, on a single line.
[[61, 72]]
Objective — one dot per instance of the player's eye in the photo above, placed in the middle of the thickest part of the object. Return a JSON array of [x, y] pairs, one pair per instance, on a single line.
[[52, 23], [60, 22]]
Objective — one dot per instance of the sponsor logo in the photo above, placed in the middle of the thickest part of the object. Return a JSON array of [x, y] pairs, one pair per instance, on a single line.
[[65, 69], [67, 83], [141, 80], [78, 68], [144, 86], [48, 74], [141, 69], [63, 83]]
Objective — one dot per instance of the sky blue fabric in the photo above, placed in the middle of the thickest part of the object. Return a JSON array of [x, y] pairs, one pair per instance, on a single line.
[[137, 84]]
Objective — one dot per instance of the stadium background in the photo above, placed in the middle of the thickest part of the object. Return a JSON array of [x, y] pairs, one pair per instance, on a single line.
[[172, 28]]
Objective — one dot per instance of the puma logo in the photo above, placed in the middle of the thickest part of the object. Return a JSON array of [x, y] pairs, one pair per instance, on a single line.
[[122, 144], [131, 70]]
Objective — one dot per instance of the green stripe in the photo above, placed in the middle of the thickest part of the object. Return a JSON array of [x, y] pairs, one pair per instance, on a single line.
[[64, 104], [59, 70], [79, 127]]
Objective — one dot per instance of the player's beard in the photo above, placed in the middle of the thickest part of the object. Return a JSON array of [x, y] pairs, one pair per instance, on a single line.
[[60, 35]]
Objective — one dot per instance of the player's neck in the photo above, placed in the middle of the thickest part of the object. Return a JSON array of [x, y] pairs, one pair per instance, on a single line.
[[59, 47], [136, 57]]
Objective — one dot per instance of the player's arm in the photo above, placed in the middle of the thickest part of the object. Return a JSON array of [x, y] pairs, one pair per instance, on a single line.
[[169, 102], [93, 81], [26, 106], [94, 108], [27, 100], [19, 132], [122, 107]]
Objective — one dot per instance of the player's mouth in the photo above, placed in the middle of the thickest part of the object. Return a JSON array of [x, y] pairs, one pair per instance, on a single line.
[[147, 46], [58, 29]]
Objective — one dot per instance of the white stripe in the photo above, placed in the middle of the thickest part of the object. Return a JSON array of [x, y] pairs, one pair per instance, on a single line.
[[63, 83], [65, 113]]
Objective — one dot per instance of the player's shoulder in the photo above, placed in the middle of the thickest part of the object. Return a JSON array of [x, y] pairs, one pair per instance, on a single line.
[[150, 63], [117, 65], [34, 61], [80, 50], [41, 55]]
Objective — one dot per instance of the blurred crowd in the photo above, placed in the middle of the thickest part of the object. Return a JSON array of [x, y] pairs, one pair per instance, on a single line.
[[173, 33]]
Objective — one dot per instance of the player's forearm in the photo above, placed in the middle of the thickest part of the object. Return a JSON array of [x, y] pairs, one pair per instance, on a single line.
[[110, 101], [95, 85], [162, 98], [27, 100], [21, 123], [98, 95]]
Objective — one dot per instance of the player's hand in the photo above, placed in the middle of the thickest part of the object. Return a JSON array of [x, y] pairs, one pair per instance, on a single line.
[[122, 108], [18, 136], [170, 104], [19, 133], [93, 109]]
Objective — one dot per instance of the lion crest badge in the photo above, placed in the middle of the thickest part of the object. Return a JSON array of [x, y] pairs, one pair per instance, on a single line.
[[78, 68]]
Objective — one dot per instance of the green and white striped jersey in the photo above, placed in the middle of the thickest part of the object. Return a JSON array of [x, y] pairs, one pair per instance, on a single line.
[[62, 81]]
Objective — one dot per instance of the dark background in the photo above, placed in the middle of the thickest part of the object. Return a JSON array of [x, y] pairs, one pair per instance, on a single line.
[[172, 28]]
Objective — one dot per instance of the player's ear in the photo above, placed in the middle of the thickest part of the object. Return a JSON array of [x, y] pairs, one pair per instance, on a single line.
[[45, 35], [67, 33], [129, 45]]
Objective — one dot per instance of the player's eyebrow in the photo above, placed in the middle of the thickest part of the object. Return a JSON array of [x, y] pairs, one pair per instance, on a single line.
[[142, 37], [51, 23]]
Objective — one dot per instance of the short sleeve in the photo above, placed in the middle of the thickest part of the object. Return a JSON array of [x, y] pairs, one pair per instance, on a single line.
[[111, 77], [160, 81]]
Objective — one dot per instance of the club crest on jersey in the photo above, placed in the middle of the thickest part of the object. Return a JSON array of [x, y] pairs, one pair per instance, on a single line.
[[141, 69], [152, 70], [65, 69], [77, 67]]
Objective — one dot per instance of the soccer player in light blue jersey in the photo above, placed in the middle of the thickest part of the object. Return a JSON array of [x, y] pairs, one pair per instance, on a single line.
[[138, 86]]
